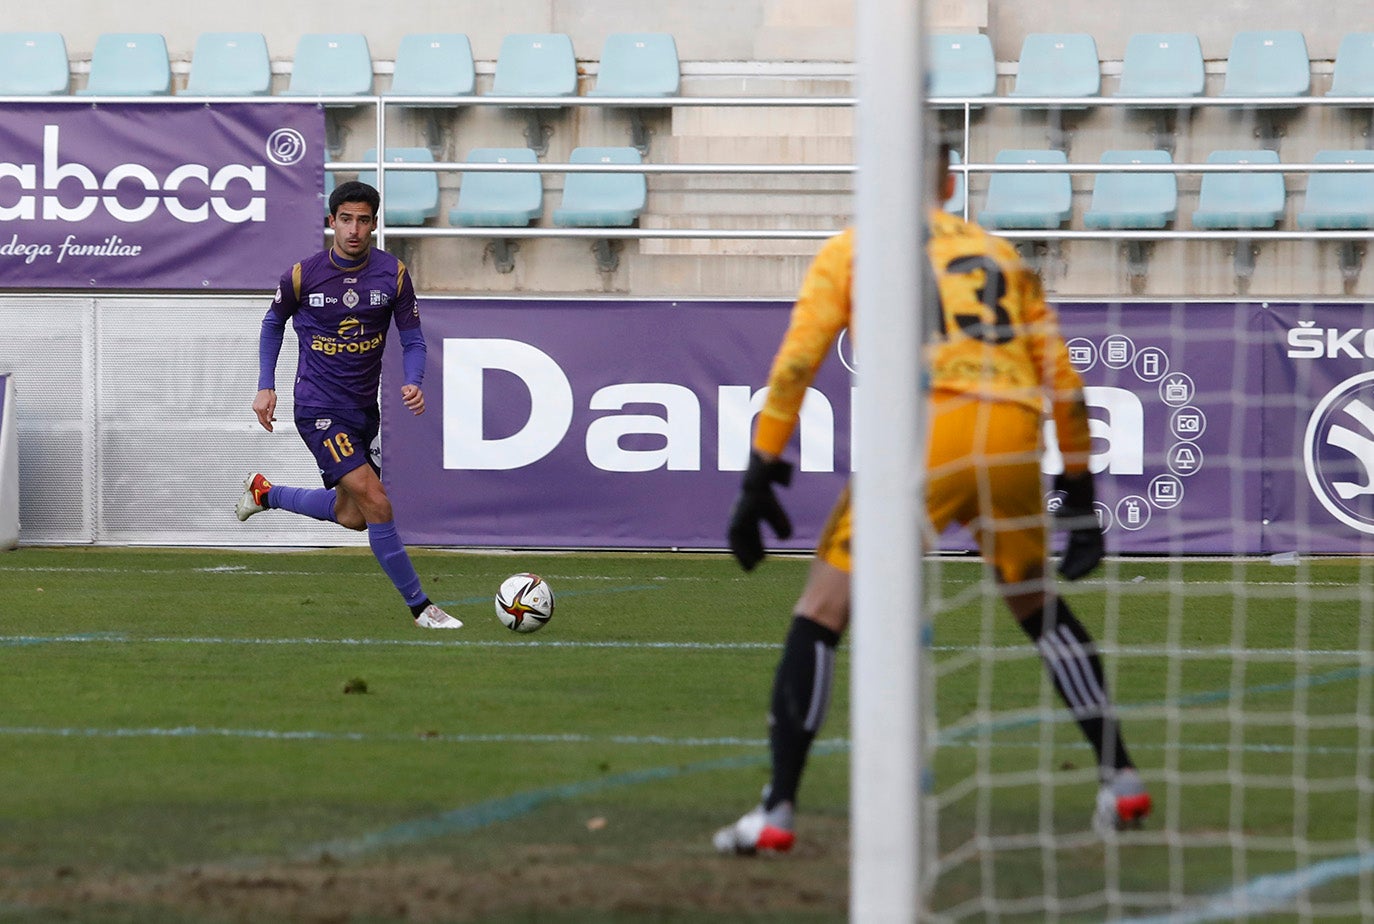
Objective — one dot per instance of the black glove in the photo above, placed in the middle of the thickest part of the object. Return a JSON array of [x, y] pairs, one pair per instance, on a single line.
[[757, 502], [1085, 547]]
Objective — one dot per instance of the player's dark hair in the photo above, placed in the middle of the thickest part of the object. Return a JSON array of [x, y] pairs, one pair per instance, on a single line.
[[354, 191]]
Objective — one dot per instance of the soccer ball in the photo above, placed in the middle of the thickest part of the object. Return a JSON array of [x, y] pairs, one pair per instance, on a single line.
[[524, 603]]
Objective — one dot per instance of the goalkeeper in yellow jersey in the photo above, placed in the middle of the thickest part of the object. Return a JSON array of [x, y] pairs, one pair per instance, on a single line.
[[995, 359]]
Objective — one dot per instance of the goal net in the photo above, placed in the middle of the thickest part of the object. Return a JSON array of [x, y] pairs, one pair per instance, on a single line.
[[1234, 452]]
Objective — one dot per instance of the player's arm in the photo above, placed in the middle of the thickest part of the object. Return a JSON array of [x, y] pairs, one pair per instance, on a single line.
[[270, 338], [820, 313], [406, 316], [1064, 389]]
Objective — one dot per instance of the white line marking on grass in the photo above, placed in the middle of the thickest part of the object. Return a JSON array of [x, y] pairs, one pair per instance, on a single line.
[[1265, 894], [266, 734], [117, 639]]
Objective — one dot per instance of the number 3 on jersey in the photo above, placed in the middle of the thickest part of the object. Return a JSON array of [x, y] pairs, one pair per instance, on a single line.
[[972, 293]]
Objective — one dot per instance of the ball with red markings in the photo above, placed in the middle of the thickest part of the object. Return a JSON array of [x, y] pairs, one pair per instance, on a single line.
[[524, 603]]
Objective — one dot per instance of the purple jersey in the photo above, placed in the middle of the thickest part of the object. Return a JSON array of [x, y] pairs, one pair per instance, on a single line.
[[341, 315]]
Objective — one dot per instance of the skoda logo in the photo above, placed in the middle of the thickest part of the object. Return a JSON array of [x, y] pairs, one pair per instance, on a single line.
[[1338, 452]]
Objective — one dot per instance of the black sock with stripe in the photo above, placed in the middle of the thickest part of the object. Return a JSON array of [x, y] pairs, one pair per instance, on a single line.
[[1071, 658], [801, 695]]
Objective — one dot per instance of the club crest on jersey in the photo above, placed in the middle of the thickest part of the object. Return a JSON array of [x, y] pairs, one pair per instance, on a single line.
[[350, 299], [323, 423]]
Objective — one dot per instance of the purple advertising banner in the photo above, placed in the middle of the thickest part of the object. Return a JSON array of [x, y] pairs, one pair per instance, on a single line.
[[157, 195], [1217, 427]]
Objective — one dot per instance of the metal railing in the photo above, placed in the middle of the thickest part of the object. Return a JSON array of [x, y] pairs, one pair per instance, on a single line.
[[382, 103]]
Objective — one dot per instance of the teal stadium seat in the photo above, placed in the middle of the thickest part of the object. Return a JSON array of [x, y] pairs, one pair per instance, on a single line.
[[129, 64], [1028, 200], [1163, 64], [961, 65], [602, 200], [1268, 63], [1353, 74], [535, 64], [492, 199], [434, 64], [331, 64], [1339, 201], [638, 64], [1059, 64], [1237, 201], [35, 64], [411, 197], [230, 64], [335, 64], [1133, 200]]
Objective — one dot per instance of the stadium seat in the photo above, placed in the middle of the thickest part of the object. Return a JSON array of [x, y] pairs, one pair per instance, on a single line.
[[1341, 201], [536, 64], [1133, 200], [434, 64], [411, 197], [492, 199], [1028, 200], [1354, 69], [602, 200], [1162, 64], [331, 64], [35, 64], [1272, 63], [638, 64], [230, 64], [129, 64], [961, 65], [1058, 64], [1240, 200]]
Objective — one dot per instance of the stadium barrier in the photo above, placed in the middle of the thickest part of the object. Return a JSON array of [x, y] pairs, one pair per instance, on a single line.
[[9, 465]]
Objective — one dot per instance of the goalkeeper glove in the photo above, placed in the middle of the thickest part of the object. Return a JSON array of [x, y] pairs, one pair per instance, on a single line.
[[1085, 547], [756, 503]]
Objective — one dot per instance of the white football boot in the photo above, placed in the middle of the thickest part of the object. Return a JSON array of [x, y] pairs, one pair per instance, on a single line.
[[434, 618], [1121, 803]]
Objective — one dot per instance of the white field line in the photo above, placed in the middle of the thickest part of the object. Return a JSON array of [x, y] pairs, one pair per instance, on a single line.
[[999, 651]]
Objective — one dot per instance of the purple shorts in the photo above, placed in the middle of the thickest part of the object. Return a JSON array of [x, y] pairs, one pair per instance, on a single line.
[[341, 440]]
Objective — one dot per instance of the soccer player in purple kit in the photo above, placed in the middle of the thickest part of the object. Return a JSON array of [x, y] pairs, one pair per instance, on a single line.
[[341, 302]]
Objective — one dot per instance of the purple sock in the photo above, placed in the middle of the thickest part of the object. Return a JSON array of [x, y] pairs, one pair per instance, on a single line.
[[310, 502], [386, 545]]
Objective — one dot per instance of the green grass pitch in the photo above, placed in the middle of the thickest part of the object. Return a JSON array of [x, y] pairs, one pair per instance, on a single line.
[[216, 735]]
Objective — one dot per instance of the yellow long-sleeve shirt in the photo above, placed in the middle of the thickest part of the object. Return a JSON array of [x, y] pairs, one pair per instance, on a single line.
[[994, 337]]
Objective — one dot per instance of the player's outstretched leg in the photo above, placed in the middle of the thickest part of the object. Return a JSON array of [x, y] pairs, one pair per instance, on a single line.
[[1072, 661], [259, 494]]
